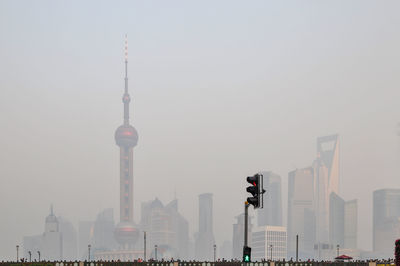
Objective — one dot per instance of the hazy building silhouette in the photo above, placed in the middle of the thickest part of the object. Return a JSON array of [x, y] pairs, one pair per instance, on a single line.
[[386, 220], [69, 239], [271, 214], [52, 239], [269, 242], [126, 137], [103, 231], [205, 237], [32, 244], [336, 220], [166, 228], [301, 216], [350, 224], [238, 236], [85, 237], [326, 181]]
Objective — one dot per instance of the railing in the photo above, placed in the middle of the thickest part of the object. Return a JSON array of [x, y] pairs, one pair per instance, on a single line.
[[196, 263]]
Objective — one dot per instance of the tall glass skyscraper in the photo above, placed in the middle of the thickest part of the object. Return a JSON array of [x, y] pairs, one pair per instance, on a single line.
[[271, 214], [301, 216], [386, 220]]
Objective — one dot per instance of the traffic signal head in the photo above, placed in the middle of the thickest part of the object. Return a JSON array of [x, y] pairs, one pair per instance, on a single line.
[[246, 254], [256, 189]]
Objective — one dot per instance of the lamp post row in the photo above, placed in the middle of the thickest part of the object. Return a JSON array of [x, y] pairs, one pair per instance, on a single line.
[[29, 252]]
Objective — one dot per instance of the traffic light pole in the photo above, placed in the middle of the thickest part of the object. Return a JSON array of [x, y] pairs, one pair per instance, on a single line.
[[246, 216], [246, 251]]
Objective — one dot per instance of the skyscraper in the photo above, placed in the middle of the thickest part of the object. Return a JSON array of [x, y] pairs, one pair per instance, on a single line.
[[103, 229], [205, 236], [326, 181], [301, 216], [69, 239], [386, 220], [52, 239], [350, 224], [271, 214], [126, 137], [336, 220], [166, 228]]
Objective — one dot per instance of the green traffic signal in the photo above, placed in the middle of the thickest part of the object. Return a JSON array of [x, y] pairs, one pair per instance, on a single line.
[[246, 254]]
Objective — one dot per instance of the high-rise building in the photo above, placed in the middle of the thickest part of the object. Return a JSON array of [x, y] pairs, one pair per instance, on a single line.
[[69, 239], [269, 242], [238, 236], [52, 239], [126, 137], [386, 220], [336, 220], [301, 216], [103, 231], [342, 222], [166, 228], [350, 224], [271, 213], [326, 181], [205, 236]]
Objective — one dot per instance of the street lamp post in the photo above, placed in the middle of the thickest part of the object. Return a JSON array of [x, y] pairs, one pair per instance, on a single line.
[[38, 254], [17, 252], [155, 251], [144, 248], [30, 256], [89, 246], [215, 252], [337, 250], [270, 247]]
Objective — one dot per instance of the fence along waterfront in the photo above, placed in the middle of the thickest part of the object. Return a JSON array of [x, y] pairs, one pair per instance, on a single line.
[[187, 263]]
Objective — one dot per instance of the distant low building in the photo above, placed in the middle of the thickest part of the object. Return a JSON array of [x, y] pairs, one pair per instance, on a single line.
[[269, 242]]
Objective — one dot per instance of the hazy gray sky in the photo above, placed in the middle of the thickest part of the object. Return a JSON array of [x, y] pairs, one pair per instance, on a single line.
[[221, 90]]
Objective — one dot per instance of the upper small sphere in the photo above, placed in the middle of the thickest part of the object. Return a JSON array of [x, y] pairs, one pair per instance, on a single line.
[[126, 136]]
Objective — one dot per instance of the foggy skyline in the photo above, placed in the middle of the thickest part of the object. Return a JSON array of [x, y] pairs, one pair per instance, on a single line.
[[220, 90]]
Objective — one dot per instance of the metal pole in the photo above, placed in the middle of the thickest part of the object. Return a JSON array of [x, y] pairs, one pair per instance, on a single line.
[[89, 252], [17, 252], [38, 254], [30, 256], [270, 246], [144, 252], [337, 248], [297, 248], [246, 215], [155, 247], [215, 252]]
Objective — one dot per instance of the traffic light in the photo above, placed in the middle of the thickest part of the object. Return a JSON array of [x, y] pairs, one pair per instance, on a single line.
[[256, 189], [246, 254]]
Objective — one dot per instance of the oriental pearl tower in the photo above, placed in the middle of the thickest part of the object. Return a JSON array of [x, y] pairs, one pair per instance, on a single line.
[[126, 137]]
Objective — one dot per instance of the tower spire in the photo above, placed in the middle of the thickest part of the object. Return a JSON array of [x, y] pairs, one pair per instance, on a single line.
[[126, 98]]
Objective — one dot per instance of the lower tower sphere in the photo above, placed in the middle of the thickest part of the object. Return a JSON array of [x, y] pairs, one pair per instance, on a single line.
[[126, 135], [126, 234]]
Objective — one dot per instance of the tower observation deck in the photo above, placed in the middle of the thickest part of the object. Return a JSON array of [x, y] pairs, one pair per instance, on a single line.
[[126, 137]]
